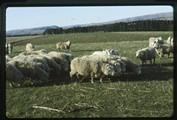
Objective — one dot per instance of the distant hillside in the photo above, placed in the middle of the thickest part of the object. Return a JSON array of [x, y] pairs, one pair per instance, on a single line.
[[29, 31], [40, 30], [157, 16]]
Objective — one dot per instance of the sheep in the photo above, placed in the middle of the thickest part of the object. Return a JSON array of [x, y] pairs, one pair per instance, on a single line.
[[31, 70], [34, 52], [153, 40], [63, 59], [13, 75], [36, 59], [112, 52], [52, 63], [170, 41], [8, 58], [117, 67], [30, 47], [162, 49], [9, 48], [122, 66], [63, 45], [90, 68], [49, 63], [159, 40], [114, 60], [147, 53], [99, 52], [131, 67], [63, 55], [100, 57], [106, 52]]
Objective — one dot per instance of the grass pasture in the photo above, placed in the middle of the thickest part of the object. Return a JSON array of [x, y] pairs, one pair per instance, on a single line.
[[147, 95]]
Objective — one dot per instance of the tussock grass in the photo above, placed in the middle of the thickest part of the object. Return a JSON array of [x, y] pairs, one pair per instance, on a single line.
[[147, 95]]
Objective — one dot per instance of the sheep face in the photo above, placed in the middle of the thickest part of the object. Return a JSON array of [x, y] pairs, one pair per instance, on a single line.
[[30, 47], [159, 40], [156, 44], [110, 52], [160, 52], [140, 54], [68, 43], [117, 67], [108, 70]]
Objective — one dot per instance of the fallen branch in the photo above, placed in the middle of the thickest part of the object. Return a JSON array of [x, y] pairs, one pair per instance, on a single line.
[[67, 108], [86, 106], [50, 109]]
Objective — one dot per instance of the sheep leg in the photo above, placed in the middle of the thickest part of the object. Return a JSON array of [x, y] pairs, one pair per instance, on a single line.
[[11, 84], [154, 60], [151, 61], [101, 80], [168, 55], [92, 80]]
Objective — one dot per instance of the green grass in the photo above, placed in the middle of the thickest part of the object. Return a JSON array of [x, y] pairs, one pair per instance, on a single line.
[[147, 95], [113, 99]]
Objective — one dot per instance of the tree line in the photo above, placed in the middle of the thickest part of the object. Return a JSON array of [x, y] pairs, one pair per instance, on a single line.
[[146, 25]]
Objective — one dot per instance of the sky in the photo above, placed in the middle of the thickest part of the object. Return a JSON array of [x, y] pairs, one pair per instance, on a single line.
[[29, 17]]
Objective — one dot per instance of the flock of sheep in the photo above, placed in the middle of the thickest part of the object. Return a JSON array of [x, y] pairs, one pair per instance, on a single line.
[[38, 65], [156, 46]]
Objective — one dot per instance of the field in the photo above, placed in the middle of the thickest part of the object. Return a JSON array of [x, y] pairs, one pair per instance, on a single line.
[[147, 95]]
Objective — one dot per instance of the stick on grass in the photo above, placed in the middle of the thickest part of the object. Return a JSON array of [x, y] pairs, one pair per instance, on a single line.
[[50, 109]]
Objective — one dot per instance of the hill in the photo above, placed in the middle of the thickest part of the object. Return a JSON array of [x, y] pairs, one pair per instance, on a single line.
[[157, 16], [29, 31]]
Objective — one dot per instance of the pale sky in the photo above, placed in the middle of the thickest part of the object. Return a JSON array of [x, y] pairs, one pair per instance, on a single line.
[[29, 17]]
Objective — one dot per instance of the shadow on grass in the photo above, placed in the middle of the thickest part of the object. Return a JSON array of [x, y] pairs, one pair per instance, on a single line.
[[149, 73]]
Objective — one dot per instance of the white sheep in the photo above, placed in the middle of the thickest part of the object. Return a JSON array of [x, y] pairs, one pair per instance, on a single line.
[[8, 58], [90, 68], [170, 41], [64, 59], [153, 40], [63, 45], [9, 48], [112, 52], [114, 60], [36, 59], [30, 47], [50, 61], [163, 49], [106, 52], [52, 64], [35, 52], [32, 70], [145, 54], [101, 53]]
